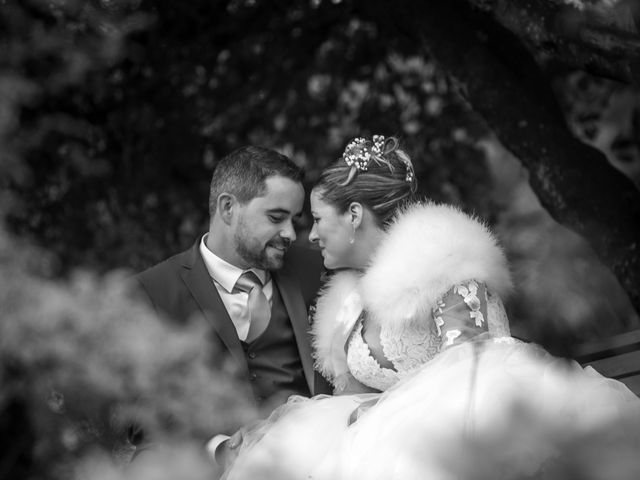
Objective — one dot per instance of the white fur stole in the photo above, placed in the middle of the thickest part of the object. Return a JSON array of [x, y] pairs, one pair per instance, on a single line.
[[427, 250], [337, 310]]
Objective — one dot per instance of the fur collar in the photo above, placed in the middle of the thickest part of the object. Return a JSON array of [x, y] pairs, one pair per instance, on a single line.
[[337, 310], [427, 250]]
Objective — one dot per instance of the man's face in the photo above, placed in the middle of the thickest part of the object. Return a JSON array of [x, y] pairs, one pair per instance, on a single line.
[[265, 225]]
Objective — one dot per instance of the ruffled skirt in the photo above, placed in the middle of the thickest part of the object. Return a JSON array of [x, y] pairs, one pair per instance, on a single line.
[[490, 410]]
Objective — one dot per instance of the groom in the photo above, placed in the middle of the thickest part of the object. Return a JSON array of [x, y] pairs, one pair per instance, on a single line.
[[245, 279]]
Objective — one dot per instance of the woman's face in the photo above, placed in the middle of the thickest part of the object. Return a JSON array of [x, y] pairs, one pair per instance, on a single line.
[[332, 231]]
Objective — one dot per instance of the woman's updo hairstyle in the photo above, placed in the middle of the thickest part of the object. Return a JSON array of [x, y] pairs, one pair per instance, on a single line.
[[375, 173]]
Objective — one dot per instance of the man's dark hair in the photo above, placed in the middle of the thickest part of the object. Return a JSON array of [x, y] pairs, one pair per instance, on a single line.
[[244, 171]]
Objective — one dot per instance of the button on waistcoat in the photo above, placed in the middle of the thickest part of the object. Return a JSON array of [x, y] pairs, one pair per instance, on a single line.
[[275, 369]]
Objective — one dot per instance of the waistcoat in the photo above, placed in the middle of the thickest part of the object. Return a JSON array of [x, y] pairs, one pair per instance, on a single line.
[[275, 369]]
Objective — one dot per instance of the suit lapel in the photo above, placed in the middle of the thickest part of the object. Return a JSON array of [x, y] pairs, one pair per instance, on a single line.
[[199, 282], [294, 303]]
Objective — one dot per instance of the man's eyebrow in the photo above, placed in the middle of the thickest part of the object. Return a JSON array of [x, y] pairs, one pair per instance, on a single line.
[[279, 210]]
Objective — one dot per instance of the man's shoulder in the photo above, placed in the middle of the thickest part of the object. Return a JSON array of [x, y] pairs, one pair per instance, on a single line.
[[162, 283], [166, 266], [163, 271]]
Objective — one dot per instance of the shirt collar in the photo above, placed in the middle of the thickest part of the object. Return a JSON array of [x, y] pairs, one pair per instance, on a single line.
[[222, 271]]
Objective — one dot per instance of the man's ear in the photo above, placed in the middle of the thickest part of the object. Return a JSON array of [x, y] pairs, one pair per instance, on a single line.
[[356, 213], [226, 205]]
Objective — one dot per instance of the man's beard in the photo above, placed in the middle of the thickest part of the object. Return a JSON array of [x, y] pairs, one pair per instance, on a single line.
[[255, 254]]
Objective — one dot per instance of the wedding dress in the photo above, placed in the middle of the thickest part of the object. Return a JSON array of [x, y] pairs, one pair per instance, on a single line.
[[459, 398]]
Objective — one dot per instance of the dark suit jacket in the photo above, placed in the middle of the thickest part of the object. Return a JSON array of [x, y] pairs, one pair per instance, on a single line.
[[181, 289]]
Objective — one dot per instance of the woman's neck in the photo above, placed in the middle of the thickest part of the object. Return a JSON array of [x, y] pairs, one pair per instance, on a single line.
[[369, 238]]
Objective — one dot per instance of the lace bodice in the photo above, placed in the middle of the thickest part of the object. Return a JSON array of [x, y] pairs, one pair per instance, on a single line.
[[416, 342], [364, 367]]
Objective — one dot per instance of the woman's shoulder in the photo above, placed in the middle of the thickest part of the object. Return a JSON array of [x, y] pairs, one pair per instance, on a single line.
[[428, 249]]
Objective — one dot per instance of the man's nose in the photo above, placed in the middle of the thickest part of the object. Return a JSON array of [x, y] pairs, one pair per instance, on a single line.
[[289, 232]]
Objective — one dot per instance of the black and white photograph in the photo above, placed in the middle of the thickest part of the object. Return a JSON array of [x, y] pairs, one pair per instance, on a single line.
[[319, 240]]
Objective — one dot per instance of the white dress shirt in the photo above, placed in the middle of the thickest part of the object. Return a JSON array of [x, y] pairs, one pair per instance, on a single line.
[[224, 277]]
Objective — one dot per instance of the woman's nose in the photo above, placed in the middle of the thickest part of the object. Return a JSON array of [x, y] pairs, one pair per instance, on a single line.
[[313, 235]]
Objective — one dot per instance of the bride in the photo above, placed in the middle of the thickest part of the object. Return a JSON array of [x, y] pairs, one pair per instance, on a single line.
[[411, 331]]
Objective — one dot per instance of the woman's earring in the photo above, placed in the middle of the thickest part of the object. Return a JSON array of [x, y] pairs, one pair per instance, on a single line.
[[352, 240]]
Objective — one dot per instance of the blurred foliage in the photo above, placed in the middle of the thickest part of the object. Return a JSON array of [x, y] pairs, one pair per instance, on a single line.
[[82, 360], [113, 114], [564, 296]]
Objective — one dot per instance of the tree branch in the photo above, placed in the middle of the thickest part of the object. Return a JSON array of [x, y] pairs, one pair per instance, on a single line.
[[602, 41]]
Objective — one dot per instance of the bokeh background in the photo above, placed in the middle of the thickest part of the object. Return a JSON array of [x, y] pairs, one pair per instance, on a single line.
[[114, 113]]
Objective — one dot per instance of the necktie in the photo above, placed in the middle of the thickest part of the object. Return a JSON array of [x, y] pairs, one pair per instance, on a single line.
[[258, 305]]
